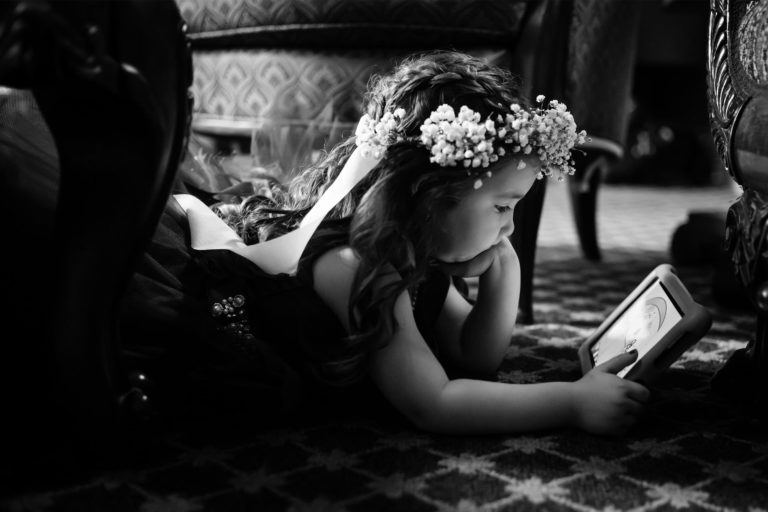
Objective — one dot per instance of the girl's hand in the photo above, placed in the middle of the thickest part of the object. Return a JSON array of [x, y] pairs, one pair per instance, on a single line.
[[607, 404], [497, 255]]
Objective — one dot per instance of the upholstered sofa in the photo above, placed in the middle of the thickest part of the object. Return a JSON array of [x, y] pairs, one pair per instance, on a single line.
[[277, 82]]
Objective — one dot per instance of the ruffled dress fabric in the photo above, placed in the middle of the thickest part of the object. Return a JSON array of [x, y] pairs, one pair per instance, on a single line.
[[210, 328]]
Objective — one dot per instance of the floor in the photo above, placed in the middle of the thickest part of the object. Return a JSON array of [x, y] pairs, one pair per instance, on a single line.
[[629, 218]]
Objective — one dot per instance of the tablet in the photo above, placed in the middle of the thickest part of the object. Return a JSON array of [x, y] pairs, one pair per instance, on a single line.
[[659, 319]]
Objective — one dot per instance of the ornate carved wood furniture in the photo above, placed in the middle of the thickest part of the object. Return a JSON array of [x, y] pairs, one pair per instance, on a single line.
[[80, 212], [290, 76], [738, 96]]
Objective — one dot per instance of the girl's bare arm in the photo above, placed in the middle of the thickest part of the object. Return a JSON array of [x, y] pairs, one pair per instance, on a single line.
[[475, 338], [411, 377]]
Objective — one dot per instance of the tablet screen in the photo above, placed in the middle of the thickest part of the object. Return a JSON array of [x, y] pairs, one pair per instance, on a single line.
[[641, 326]]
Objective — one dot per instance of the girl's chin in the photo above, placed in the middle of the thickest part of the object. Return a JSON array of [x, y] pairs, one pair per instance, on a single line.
[[459, 260], [451, 261]]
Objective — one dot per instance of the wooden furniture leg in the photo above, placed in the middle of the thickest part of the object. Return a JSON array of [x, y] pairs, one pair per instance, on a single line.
[[527, 217], [583, 185], [744, 377], [583, 189]]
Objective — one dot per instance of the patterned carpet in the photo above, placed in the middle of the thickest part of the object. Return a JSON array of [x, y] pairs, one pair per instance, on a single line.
[[692, 451]]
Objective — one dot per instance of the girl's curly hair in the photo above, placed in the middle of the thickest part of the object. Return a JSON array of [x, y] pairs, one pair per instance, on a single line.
[[389, 217]]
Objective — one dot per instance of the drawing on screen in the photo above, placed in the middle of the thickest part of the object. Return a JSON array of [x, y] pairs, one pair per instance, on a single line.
[[647, 324]]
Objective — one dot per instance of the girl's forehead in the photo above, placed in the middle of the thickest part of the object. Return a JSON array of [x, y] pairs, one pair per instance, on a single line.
[[507, 183], [512, 176]]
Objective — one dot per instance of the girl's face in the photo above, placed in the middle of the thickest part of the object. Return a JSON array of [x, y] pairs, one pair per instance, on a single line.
[[484, 216]]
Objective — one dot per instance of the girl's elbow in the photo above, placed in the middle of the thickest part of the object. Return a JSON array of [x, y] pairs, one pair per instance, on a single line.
[[488, 369], [481, 361], [430, 420], [439, 420], [428, 416], [484, 368]]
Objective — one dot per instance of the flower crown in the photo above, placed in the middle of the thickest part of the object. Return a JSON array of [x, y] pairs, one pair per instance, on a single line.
[[548, 133]]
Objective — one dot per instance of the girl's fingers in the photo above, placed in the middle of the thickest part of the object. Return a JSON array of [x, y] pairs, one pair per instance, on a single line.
[[615, 364], [627, 421], [637, 392], [633, 408]]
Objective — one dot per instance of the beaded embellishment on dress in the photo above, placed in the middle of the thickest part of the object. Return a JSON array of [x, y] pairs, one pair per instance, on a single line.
[[230, 314]]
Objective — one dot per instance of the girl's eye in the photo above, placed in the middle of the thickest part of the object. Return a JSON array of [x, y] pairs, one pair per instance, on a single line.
[[503, 208]]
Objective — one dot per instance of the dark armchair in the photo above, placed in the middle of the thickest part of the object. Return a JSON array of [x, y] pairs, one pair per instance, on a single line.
[[94, 118]]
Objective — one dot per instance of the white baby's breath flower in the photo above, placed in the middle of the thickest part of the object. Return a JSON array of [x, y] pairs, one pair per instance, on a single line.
[[464, 138], [374, 136], [460, 137]]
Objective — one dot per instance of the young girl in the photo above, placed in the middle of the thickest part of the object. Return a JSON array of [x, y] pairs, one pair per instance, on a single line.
[[345, 277]]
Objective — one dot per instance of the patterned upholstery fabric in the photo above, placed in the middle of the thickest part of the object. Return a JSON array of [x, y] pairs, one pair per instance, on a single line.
[[241, 86], [602, 47], [352, 23], [292, 103], [247, 86], [290, 75]]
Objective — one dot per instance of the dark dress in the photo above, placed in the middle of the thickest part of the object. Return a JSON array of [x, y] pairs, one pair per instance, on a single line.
[[211, 329]]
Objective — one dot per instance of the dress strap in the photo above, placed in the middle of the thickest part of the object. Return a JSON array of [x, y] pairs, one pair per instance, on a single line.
[[282, 254]]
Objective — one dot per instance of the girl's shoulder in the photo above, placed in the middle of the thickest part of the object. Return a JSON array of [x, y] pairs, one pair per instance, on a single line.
[[340, 259], [333, 273], [334, 270]]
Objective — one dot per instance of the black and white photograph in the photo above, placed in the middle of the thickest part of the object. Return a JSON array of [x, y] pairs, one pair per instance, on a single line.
[[384, 255]]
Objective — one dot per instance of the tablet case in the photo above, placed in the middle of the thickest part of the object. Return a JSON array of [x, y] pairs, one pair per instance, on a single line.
[[694, 324]]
